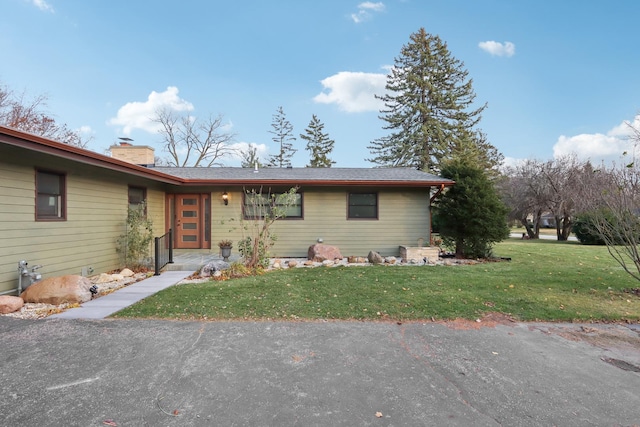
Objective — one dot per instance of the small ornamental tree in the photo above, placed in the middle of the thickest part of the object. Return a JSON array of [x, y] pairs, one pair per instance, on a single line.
[[135, 244], [261, 211], [470, 216]]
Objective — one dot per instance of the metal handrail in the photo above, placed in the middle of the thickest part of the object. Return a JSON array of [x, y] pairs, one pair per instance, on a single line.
[[163, 251]]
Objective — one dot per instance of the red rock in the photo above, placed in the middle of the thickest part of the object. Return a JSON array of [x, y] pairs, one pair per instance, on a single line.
[[70, 289], [9, 304], [320, 252]]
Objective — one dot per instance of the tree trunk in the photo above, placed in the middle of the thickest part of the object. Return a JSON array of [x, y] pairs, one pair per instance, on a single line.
[[459, 248]]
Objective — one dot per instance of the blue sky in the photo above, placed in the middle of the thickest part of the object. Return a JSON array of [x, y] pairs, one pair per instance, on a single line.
[[558, 76]]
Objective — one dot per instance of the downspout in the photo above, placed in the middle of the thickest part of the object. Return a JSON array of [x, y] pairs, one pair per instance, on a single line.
[[437, 193]]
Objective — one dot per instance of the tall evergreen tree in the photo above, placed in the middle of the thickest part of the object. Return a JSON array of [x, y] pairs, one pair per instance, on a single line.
[[470, 215], [250, 157], [282, 136], [428, 109], [319, 144]]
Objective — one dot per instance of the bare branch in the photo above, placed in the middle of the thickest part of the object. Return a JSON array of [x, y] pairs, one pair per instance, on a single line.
[[190, 142]]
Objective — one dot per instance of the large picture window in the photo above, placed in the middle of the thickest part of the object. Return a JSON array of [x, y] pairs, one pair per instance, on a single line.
[[363, 206], [258, 205], [50, 196]]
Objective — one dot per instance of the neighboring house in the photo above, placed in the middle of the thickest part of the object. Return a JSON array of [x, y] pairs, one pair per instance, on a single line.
[[65, 207]]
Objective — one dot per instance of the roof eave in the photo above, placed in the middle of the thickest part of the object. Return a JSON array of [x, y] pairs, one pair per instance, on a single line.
[[316, 183], [39, 144]]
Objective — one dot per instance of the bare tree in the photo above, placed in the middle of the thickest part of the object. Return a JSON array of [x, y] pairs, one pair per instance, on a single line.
[[28, 115], [524, 192], [562, 177], [534, 188], [191, 142], [614, 211], [611, 197]]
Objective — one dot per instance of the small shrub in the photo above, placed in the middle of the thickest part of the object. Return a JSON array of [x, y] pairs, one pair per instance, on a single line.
[[237, 270], [135, 244], [225, 244], [590, 226], [255, 250]]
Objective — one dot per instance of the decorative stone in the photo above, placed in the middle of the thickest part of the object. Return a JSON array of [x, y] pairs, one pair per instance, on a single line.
[[108, 278], [71, 289], [327, 263], [375, 258], [277, 265], [320, 252], [127, 273], [212, 267], [10, 304], [309, 263], [293, 263], [390, 260]]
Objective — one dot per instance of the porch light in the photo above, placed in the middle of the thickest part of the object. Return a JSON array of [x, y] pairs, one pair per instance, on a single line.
[[225, 198]]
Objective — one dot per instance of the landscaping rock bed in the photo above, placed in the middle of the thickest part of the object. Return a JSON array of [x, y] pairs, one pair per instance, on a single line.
[[105, 284]]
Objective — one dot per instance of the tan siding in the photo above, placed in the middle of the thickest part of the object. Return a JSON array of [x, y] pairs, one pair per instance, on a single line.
[[155, 210], [96, 214], [403, 219]]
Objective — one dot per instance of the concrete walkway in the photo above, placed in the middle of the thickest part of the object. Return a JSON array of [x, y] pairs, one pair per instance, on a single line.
[[102, 307]]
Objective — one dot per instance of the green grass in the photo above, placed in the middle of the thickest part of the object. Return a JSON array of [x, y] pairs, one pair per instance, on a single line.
[[545, 280]]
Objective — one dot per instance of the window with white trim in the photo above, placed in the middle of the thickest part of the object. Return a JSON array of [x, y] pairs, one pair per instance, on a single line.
[[50, 196]]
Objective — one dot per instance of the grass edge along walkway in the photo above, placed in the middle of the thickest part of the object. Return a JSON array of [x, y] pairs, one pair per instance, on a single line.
[[544, 281]]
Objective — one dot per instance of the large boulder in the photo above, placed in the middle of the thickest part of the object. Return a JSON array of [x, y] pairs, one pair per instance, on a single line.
[[375, 258], [9, 304], [71, 289], [320, 252], [214, 267]]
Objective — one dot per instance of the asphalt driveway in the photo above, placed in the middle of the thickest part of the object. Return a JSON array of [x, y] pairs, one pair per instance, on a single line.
[[162, 373]]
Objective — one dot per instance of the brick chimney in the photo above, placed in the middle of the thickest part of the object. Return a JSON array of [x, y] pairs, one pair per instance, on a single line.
[[137, 154]]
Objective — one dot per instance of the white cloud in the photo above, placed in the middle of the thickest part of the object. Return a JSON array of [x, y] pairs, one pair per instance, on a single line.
[[139, 115], [599, 147], [365, 9], [353, 92], [510, 162], [43, 5], [85, 130], [507, 49]]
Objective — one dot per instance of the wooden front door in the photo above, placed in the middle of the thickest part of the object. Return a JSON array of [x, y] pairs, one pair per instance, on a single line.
[[190, 218]]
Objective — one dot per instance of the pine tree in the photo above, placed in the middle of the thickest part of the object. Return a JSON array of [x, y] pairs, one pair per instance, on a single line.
[[470, 215], [250, 157], [318, 144], [283, 135], [428, 109]]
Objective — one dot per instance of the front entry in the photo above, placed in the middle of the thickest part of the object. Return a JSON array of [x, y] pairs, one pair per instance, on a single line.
[[190, 218]]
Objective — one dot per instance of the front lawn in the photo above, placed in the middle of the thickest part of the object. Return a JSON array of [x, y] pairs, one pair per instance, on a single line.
[[545, 280]]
